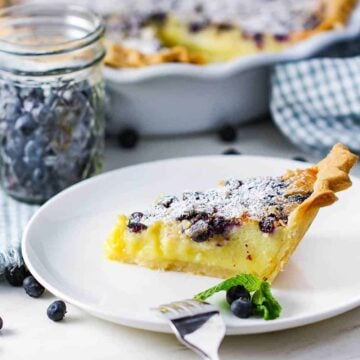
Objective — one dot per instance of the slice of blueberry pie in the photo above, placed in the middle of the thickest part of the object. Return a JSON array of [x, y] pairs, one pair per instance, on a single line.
[[244, 226]]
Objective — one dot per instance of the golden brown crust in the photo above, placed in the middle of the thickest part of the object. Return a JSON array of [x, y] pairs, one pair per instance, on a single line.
[[333, 14], [118, 56], [332, 176]]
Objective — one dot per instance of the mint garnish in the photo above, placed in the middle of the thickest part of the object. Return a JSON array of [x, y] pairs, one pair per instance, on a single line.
[[264, 303]]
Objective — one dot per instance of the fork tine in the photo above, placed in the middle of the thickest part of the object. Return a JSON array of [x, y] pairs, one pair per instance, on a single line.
[[194, 323]]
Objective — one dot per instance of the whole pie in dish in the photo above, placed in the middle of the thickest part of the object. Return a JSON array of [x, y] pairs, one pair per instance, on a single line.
[[244, 226], [146, 32]]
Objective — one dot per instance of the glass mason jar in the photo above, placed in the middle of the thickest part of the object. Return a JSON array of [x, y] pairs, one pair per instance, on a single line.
[[51, 99]]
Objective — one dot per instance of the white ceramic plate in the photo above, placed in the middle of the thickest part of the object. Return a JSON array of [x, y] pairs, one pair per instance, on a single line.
[[62, 246]]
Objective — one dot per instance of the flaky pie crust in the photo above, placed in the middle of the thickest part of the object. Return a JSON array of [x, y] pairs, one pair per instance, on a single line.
[[332, 176]]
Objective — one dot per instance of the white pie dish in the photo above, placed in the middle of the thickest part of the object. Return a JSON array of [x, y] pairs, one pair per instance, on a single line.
[[181, 98], [62, 246]]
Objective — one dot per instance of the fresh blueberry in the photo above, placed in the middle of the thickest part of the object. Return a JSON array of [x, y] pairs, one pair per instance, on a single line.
[[32, 153], [26, 124], [15, 275], [32, 287], [56, 310], [128, 138], [1, 323], [11, 109], [231, 151], [227, 133], [39, 176], [241, 308], [237, 292], [299, 158], [50, 137]]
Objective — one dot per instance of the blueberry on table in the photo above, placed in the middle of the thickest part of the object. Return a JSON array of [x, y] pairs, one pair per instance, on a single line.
[[32, 287], [1, 323], [56, 310], [15, 275], [241, 308], [237, 292], [231, 151], [299, 158], [227, 133], [128, 138]]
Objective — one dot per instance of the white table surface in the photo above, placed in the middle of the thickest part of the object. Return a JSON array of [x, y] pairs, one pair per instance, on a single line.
[[29, 334]]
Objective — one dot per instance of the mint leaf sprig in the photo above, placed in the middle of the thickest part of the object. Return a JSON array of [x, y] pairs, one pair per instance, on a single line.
[[264, 303]]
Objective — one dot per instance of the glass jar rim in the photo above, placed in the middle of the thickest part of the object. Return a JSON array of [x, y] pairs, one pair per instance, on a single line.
[[31, 11]]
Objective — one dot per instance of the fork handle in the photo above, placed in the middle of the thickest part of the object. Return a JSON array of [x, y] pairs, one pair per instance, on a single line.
[[212, 357]]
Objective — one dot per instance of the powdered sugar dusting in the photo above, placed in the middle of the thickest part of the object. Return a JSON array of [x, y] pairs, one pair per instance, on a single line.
[[278, 17], [255, 197]]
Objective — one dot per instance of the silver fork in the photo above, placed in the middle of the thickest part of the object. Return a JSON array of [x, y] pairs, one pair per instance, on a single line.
[[198, 325]]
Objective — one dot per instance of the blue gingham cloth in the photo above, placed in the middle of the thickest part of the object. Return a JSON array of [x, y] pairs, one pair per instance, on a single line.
[[14, 216], [316, 103]]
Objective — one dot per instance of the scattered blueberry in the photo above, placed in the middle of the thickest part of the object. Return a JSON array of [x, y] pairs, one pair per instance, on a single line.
[[227, 133], [299, 158], [56, 310], [32, 287], [15, 275], [1, 323], [231, 151], [237, 292], [128, 138], [241, 308]]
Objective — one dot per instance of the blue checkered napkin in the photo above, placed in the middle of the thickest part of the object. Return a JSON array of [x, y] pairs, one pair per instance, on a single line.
[[13, 218], [316, 103]]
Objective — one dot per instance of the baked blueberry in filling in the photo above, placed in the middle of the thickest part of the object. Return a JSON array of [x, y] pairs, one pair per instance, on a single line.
[[135, 224]]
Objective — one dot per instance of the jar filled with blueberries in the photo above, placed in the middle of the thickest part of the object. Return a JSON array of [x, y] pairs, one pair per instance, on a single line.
[[51, 99]]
